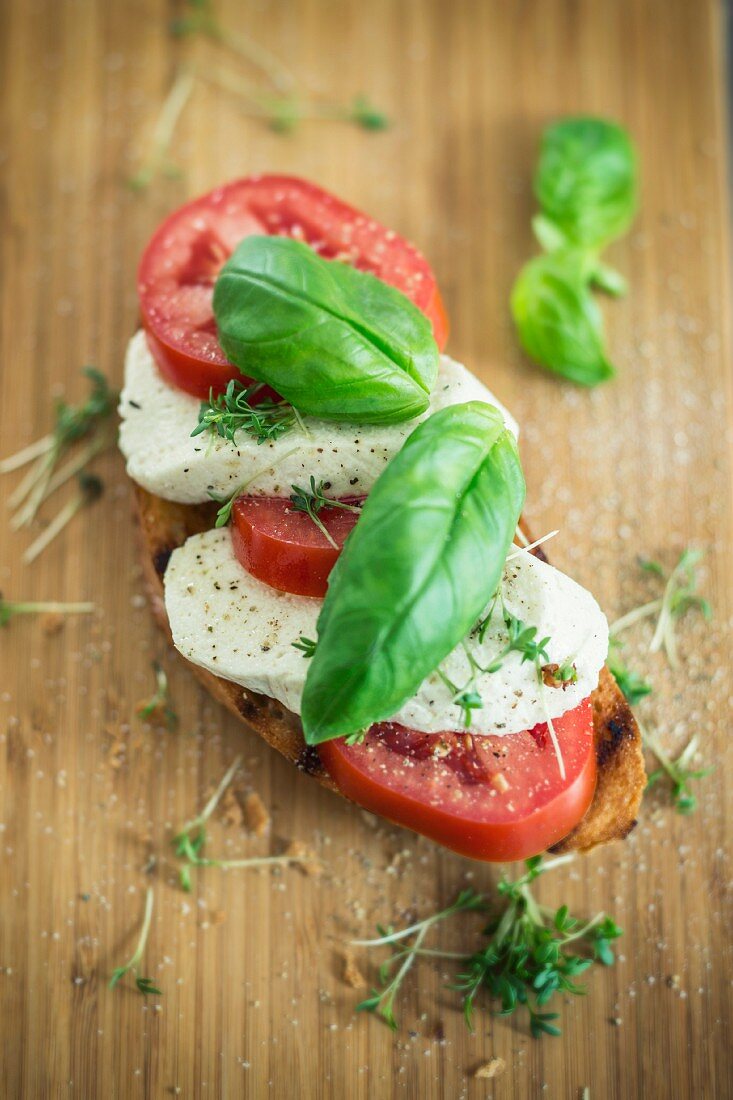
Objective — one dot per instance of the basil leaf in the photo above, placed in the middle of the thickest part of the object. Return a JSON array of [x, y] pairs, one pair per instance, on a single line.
[[335, 342], [558, 321], [417, 570], [586, 181]]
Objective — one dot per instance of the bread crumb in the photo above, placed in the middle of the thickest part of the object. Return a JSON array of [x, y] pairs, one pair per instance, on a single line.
[[352, 975], [491, 1069], [305, 857], [231, 808], [52, 623], [117, 751], [258, 818]]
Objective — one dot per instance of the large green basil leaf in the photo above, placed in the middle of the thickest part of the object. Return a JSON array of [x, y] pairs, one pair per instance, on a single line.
[[558, 321], [586, 181], [335, 342], [417, 570]]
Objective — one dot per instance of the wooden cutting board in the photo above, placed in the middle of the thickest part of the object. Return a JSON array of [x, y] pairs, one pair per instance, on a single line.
[[251, 962]]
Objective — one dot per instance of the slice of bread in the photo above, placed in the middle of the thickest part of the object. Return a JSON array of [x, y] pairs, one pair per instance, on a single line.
[[165, 525]]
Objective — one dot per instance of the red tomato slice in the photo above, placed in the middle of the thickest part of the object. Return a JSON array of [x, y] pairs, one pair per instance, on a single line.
[[492, 798], [180, 264], [284, 548]]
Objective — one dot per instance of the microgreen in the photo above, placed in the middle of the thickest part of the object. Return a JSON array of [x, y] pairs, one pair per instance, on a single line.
[[526, 961], [522, 639], [382, 1001], [634, 687], [144, 985], [189, 842], [8, 608], [677, 770], [232, 411], [282, 108], [157, 160], [466, 698], [559, 675], [225, 512], [73, 422], [158, 706], [312, 501], [306, 645], [679, 596]]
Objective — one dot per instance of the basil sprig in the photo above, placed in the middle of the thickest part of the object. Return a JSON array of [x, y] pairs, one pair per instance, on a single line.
[[586, 186], [335, 342], [417, 570]]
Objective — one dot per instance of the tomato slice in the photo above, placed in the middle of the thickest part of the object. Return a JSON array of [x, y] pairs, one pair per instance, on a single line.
[[284, 548], [492, 798], [180, 265]]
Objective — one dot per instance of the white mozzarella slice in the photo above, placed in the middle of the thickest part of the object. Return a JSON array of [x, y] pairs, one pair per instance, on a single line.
[[232, 624], [163, 457]]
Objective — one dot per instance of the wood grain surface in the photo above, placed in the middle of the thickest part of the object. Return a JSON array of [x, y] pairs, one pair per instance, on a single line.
[[251, 963]]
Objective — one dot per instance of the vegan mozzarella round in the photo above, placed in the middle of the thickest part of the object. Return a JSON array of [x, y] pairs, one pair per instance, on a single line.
[[228, 622], [163, 457]]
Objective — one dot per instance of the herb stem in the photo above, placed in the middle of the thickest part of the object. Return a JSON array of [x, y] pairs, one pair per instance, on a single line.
[[645, 611], [26, 455], [143, 984], [45, 607], [529, 546], [90, 491], [75, 465], [203, 817], [164, 129]]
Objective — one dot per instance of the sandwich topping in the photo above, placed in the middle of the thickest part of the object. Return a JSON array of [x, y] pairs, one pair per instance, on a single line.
[[363, 571]]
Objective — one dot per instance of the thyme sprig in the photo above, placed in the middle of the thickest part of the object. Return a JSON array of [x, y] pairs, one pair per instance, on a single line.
[[527, 959], [679, 596], [9, 608], [144, 985], [313, 500], [676, 769], [230, 412], [159, 705]]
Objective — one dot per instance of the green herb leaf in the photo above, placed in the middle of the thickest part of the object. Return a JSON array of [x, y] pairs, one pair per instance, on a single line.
[[306, 645], [337, 343], [381, 631], [526, 961], [144, 985], [677, 770], [158, 707], [233, 411], [634, 687], [313, 500], [557, 319], [585, 181]]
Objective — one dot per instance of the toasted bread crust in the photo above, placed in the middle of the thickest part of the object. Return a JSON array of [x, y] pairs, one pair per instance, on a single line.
[[165, 525]]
